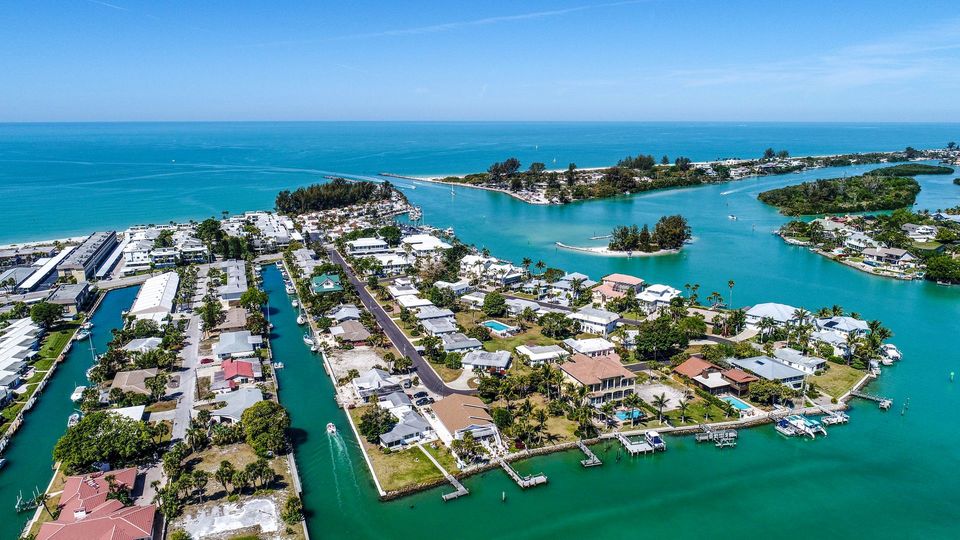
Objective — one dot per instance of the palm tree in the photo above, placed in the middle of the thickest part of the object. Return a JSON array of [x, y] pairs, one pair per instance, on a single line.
[[224, 474], [607, 410], [633, 401], [765, 325], [200, 479], [730, 284], [683, 404], [525, 263], [660, 401], [852, 342], [41, 500], [800, 316], [540, 266], [836, 310]]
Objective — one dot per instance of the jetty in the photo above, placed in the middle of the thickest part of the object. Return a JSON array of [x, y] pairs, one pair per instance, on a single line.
[[459, 490], [592, 460], [721, 438], [525, 482], [635, 447], [882, 402]]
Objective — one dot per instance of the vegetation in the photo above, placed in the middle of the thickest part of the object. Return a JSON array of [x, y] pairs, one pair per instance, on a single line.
[[910, 169], [841, 195], [671, 232], [375, 422], [337, 193], [46, 314], [265, 427], [102, 437]]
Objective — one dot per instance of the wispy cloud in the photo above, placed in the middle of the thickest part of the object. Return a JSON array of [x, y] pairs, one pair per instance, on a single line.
[[109, 5]]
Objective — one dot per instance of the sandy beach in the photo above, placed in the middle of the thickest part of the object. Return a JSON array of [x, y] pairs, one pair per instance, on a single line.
[[604, 251]]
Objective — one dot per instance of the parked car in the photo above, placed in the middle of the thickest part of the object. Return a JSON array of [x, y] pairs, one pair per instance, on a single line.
[[423, 401], [419, 395]]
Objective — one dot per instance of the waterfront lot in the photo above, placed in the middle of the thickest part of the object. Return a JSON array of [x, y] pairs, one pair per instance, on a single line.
[[399, 469], [837, 380]]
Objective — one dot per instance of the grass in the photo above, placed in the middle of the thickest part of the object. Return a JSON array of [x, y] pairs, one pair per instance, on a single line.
[[445, 373], [398, 469], [530, 336], [443, 455], [837, 380], [696, 413], [239, 455], [162, 406], [54, 342], [44, 364]]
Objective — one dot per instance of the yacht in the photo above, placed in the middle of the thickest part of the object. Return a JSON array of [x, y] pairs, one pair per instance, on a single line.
[[82, 334], [890, 351], [732, 217], [655, 440], [3, 461], [785, 428], [301, 320], [73, 420], [77, 394], [295, 304], [289, 289], [308, 339], [331, 429]]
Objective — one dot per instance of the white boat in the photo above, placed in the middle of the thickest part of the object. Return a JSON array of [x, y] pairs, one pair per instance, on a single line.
[[331, 429], [308, 339], [295, 304], [279, 264], [73, 420], [655, 440], [314, 348], [732, 217], [889, 350], [301, 320], [289, 289], [82, 334], [278, 365], [785, 428], [3, 461], [77, 394], [87, 325]]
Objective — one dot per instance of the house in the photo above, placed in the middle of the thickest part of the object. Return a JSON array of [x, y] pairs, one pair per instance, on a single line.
[[438, 327], [614, 286], [87, 510], [134, 380], [391, 263], [234, 319], [432, 312], [858, 241], [712, 382], [375, 382], [780, 314], [695, 366], [410, 428], [473, 300], [234, 403], [366, 246], [73, 297], [539, 354], [496, 362], [326, 283], [604, 376], [397, 290], [142, 345], [350, 331], [491, 270], [156, 297], [459, 288], [344, 312], [424, 244], [241, 371], [771, 369], [516, 306], [739, 380], [589, 346], [595, 321], [413, 302], [656, 297], [836, 340], [458, 414], [457, 342], [920, 233], [236, 280], [798, 360], [237, 344], [843, 324], [900, 258]]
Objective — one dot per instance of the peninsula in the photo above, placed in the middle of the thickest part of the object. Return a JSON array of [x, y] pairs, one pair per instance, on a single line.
[[838, 195]]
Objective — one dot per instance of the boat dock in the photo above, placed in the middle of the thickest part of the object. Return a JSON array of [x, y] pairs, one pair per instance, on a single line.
[[592, 459], [459, 490], [884, 403], [634, 448], [523, 481], [832, 418], [719, 437]]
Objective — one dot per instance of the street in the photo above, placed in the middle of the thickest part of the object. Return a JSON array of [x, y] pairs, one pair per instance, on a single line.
[[188, 380]]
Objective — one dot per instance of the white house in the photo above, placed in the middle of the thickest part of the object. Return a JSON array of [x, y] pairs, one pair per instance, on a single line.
[[798, 360], [656, 296], [590, 346], [391, 263], [366, 246], [539, 354], [459, 288], [781, 314], [843, 324], [595, 321], [491, 362]]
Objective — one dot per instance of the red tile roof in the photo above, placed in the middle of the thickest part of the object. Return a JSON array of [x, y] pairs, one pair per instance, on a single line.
[[694, 367], [606, 290], [237, 368], [623, 278], [129, 523], [739, 376], [89, 492]]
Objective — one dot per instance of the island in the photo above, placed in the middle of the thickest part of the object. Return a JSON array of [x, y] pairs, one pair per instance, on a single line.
[[910, 169], [668, 236], [863, 193]]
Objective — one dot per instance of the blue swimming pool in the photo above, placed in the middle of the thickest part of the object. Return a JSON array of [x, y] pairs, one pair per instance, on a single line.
[[625, 415], [736, 402], [496, 326]]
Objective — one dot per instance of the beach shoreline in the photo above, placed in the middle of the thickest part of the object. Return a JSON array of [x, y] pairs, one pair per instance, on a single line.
[[604, 251]]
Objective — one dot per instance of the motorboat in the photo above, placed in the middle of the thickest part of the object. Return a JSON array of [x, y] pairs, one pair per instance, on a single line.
[[655, 440], [889, 350], [732, 217], [785, 428], [314, 348], [289, 289], [3, 461], [301, 320], [279, 264], [77, 394], [308, 339], [82, 334], [331, 429], [295, 304], [73, 420]]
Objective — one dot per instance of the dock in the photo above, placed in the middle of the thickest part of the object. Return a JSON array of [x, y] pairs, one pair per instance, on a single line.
[[525, 482], [721, 438], [832, 418], [592, 459], [884, 403], [458, 489], [635, 448]]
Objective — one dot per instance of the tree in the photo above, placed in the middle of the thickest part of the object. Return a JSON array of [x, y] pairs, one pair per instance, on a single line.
[[402, 364], [211, 312], [374, 422], [571, 174], [200, 479], [180, 534], [660, 401], [769, 153], [224, 474], [240, 480], [558, 326], [730, 285], [253, 298], [683, 404], [46, 314], [107, 438], [633, 401], [494, 304], [292, 511], [265, 427], [157, 386]]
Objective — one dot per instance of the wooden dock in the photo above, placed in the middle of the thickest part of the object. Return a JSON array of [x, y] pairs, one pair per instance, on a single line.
[[523, 481], [592, 459], [719, 437], [459, 490], [633, 447], [884, 403]]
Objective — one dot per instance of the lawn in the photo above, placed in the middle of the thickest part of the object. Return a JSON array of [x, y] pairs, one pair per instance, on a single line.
[[397, 469], [445, 373], [239, 455], [696, 414], [161, 406], [443, 455], [531, 336], [54, 342], [44, 364], [837, 380]]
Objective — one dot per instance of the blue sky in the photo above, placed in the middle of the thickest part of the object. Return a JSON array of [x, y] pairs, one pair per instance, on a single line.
[[728, 60]]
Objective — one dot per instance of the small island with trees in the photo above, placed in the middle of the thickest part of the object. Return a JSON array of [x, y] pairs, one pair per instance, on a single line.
[[669, 235], [865, 193]]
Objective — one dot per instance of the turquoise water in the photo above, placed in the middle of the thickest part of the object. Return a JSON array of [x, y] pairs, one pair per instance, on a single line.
[[628, 415], [736, 402], [496, 326], [29, 463], [883, 475], [58, 180]]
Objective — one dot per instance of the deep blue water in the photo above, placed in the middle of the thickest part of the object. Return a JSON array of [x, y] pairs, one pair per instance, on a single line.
[[59, 180]]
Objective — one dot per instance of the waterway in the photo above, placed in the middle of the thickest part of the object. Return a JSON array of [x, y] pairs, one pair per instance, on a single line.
[[29, 455]]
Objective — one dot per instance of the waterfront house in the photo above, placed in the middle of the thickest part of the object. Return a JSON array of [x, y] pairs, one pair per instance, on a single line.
[[142, 345], [739, 380], [695, 366], [6, 397], [235, 319], [344, 312], [424, 244], [656, 297], [237, 344], [459, 288], [410, 428], [10, 380], [391, 263], [896, 257], [836, 340], [326, 283], [496, 362], [595, 321], [712, 382], [155, 298], [74, 297], [351, 332], [920, 233], [366, 246], [375, 382], [458, 414], [843, 324], [798, 360], [781, 314], [771, 369], [858, 241], [490, 270], [438, 327], [458, 342], [614, 286], [589, 346], [604, 376], [540, 354], [134, 380], [237, 372], [233, 404]]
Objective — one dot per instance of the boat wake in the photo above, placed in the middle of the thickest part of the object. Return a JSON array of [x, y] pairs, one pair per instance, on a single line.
[[341, 453]]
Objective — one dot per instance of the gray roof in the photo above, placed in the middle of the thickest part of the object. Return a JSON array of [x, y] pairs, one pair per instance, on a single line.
[[397, 399], [767, 368], [237, 402], [433, 312], [345, 312], [457, 341], [796, 357], [843, 324], [236, 342], [829, 336], [411, 424], [374, 379], [439, 326], [142, 344], [781, 313], [69, 293], [495, 359]]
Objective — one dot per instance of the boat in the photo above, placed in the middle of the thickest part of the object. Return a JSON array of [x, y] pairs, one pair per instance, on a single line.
[[82, 334], [73, 420], [655, 440], [295, 304], [278, 365], [77, 394], [308, 339], [732, 217], [331, 429], [806, 426], [87, 325], [889, 350], [314, 348], [90, 371], [279, 264], [3, 461], [289, 289], [301, 320], [785, 428], [838, 417]]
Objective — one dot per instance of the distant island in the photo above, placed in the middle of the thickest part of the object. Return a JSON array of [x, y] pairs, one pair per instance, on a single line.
[[668, 236], [337, 193], [843, 195], [910, 169]]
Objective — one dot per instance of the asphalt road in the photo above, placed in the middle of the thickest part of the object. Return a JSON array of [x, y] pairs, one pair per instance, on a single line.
[[188, 380], [427, 375]]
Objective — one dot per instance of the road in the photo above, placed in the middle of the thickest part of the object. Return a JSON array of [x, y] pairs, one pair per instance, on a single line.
[[119, 283], [188, 381], [427, 375]]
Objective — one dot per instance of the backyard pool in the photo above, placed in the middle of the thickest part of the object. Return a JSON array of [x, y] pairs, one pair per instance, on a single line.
[[737, 403], [497, 326], [626, 415]]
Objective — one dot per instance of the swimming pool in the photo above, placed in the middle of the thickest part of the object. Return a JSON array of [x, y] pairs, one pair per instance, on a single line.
[[625, 415], [497, 326], [736, 402]]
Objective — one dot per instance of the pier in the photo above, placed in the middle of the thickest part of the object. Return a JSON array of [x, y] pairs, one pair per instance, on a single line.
[[719, 437], [525, 482], [459, 490], [592, 459], [884, 403], [635, 448]]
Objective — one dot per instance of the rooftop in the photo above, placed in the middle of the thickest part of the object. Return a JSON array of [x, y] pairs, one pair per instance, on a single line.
[[593, 370]]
